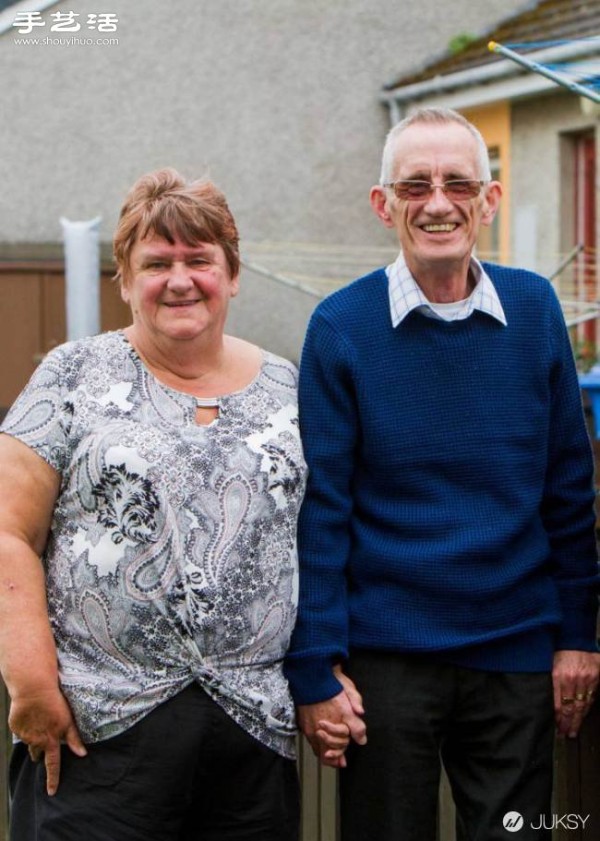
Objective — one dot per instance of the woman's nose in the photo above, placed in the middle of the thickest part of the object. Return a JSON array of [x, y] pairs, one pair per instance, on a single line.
[[179, 275]]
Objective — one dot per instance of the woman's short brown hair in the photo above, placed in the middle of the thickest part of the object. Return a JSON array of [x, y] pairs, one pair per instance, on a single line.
[[165, 204]]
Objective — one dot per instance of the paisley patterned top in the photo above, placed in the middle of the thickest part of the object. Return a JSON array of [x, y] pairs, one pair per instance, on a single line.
[[172, 551]]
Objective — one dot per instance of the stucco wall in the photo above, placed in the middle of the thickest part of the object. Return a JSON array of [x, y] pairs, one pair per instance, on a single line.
[[270, 315], [276, 99]]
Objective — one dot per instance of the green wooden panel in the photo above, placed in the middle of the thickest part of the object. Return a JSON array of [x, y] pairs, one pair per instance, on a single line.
[[328, 804], [319, 797], [447, 812], [308, 768]]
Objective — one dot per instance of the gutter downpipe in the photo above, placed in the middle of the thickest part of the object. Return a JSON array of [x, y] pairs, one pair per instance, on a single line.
[[396, 111]]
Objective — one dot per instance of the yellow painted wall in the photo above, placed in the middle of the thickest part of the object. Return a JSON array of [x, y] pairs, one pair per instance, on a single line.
[[493, 121]]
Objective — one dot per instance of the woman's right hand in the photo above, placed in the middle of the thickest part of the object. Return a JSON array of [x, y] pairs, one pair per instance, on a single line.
[[43, 720], [39, 714]]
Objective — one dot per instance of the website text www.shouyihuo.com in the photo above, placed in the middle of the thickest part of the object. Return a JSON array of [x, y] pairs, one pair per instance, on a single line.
[[73, 41], [64, 23]]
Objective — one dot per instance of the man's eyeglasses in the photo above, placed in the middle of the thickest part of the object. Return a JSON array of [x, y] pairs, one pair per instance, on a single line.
[[457, 189]]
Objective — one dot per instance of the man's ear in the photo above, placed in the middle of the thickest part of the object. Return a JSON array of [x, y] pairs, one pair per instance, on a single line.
[[380, 204], [491, 202]]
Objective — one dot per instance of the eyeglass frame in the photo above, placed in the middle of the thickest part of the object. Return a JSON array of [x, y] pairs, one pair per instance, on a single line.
[[443, 187]]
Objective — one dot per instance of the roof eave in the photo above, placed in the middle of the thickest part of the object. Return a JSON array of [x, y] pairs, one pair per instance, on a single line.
[[474, 96], [484, 74], [8, 15]]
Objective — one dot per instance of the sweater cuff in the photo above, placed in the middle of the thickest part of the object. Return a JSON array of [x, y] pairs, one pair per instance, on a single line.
[[311, 679], [577, 638], [578, 630]]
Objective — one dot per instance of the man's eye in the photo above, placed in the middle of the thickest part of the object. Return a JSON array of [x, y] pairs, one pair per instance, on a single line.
[[156, 264]]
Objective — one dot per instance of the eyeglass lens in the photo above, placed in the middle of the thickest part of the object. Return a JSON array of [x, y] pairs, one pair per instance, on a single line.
[[455, 189]]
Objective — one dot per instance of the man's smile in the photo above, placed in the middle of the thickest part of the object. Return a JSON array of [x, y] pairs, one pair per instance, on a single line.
[[446, 227]]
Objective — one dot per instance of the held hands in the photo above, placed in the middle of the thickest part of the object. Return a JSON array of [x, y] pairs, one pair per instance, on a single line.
[[575, 679], [329, 725], [42, 721]]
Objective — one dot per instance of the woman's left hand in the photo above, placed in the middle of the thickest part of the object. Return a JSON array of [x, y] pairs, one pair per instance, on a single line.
[[335, 738]]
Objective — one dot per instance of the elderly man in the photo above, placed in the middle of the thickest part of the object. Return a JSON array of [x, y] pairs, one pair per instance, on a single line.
[[448, 560]]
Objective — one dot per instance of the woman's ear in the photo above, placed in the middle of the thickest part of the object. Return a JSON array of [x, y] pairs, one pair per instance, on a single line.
[[124, 289]]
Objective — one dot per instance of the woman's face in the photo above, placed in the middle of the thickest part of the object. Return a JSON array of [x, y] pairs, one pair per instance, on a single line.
[[177, 291]]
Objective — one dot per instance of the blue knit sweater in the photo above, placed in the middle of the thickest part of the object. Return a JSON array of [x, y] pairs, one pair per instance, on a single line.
[[449, 508]]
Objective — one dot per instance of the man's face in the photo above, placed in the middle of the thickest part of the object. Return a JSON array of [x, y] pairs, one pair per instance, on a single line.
[[436, 233]]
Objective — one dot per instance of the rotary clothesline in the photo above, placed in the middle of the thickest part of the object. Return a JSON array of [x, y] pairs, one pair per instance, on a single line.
[[559, 73]]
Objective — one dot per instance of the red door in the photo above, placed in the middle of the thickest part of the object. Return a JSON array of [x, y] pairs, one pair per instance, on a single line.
[[585, 226]]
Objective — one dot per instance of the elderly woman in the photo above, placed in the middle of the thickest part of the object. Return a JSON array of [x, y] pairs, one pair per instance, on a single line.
[[157, 473]]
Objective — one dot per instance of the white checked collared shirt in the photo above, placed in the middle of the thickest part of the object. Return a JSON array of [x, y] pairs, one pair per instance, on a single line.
[[406, 295]]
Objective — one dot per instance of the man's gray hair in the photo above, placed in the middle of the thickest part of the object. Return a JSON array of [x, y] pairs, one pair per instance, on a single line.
[[432, 116]]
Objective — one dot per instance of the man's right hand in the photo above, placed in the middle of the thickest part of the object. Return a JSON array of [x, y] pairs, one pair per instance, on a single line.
[[42, 721], [330, 725]]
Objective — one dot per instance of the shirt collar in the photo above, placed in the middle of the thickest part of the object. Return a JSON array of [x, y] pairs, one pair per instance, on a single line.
[[406, 295]]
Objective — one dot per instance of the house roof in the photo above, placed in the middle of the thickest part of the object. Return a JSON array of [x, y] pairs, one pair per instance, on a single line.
[[544, 21]]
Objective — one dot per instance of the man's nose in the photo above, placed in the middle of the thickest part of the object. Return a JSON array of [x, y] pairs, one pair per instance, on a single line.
[[437, 200]]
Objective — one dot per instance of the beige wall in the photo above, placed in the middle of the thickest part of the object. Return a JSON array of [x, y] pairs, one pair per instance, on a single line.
[[539, 175]]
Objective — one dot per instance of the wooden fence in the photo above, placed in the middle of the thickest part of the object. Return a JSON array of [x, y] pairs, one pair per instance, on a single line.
[[32, 315]]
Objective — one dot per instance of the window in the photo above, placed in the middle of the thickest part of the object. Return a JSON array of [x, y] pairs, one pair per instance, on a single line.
[[488, 241]]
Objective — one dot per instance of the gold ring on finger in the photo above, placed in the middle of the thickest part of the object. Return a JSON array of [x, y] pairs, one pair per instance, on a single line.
[[580, 696], [567, 701]]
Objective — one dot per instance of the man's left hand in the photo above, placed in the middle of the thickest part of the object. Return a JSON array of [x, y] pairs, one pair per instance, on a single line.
[[575, 679]]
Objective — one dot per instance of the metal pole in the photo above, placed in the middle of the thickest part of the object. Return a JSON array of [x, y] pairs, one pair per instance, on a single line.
[[544, 71], [568, 259], [581, 319]]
